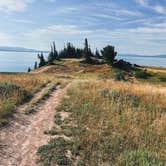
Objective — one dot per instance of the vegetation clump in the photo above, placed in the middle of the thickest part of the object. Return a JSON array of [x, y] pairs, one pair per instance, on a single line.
[[11, 94], [54, 153], [116, 124], [142, 74]]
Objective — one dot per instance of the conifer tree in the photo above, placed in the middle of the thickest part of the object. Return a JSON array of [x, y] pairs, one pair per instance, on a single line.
[[87, 52], [29, 69], [42, 60], [53, 55], [109, 54], [97, 54], [35, 66]]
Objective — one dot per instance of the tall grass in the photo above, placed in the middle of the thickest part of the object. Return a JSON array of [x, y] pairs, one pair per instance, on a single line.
[[117, 123], [16, 89]]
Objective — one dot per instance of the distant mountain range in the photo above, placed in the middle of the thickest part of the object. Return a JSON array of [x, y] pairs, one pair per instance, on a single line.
[[19, 49], [143, 56]]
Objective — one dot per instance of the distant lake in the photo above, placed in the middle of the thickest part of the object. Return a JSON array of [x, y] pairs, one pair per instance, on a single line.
[[20, 61], [17, 61], [144, 60]]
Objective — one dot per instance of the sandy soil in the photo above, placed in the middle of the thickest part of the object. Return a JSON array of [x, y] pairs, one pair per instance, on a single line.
[[19, 141]]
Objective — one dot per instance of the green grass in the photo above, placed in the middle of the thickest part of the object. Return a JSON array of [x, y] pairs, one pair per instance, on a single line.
[[54, 153], [115, 124], [57, 119], [139, 157], [151, 77], [142, 74]]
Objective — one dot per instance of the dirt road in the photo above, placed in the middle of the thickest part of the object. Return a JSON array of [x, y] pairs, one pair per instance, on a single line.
[[19, 141]]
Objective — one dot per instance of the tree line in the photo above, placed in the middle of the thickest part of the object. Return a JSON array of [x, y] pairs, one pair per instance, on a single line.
[[108, 54]]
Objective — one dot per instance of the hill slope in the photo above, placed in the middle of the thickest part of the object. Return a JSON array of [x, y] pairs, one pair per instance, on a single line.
[[104, 116]]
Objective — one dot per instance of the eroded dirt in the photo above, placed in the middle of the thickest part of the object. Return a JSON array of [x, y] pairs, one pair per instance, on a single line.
[[19, 141]]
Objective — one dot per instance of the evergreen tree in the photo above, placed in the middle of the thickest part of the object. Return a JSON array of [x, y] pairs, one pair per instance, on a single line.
[[97, 54], [109, 54], [55, 51], [29, 69], [87, 52], [42, 60], [35, 66], [53, 55]]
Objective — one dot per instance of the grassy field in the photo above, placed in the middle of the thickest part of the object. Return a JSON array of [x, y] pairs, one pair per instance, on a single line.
[[115, 118], [111, 117], [18, 88], [113, 123]]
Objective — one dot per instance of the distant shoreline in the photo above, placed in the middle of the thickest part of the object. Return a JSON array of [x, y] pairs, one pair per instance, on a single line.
[[24, 51], [143, 56]]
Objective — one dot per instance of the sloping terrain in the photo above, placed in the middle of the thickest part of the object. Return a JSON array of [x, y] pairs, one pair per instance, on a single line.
[[20, 141], [99, 115]]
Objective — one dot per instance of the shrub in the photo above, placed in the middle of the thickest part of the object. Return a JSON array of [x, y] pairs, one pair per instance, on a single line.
[[5, 112], [9, 89], [163, 79], [54, 153], [109, 54], [142, 74], [120, 76]]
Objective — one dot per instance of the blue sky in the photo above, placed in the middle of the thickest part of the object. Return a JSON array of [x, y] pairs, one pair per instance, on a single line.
[[133, 26]]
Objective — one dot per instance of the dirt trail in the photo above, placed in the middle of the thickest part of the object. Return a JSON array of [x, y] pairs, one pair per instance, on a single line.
[[20, 141]]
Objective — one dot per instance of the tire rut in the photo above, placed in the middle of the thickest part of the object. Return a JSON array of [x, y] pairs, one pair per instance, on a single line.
[[19, 141]]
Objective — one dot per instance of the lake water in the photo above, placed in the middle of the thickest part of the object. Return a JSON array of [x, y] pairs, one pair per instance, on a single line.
[[144, 60], [20, 61], [17, 61]]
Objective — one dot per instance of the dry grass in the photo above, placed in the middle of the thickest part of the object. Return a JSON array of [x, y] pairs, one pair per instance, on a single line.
[[17, 88], [118, 123]]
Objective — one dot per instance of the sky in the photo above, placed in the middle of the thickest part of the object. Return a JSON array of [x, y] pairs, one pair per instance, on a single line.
[[132, 26]]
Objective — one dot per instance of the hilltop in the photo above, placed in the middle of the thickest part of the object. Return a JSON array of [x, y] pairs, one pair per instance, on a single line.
[[73, 113]]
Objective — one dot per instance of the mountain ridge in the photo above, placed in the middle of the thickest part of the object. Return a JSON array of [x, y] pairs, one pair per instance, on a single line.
[[19, 49]]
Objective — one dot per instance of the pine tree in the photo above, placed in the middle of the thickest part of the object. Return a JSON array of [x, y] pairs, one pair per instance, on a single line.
[[29, 69], [97, 54], [87, 52], [109, 54], [53, 55], [55, 51], [35, 66], [42, 60]]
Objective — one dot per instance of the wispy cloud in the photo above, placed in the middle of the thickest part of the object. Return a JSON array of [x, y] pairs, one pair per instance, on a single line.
[[133, 26], [14, 5], [151, 4], [3, 36], [139, 38], [24, 21]]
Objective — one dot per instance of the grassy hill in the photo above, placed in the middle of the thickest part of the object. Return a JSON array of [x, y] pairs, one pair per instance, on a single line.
[[108, 117]]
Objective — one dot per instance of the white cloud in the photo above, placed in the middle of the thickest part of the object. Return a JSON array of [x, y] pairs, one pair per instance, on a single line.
[[41, 37], [5, 39], [133, 40], [24, 21], [3, 36], [14, 5], [60, 29], [160, 9], [51, 0], [157, 8], [142, 2]]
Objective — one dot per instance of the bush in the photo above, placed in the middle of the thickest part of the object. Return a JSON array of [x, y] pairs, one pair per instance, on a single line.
[[5, 112], [120, 76], [9, 89], [54, 153], [142, 74], [109, 54], [163, 79]]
